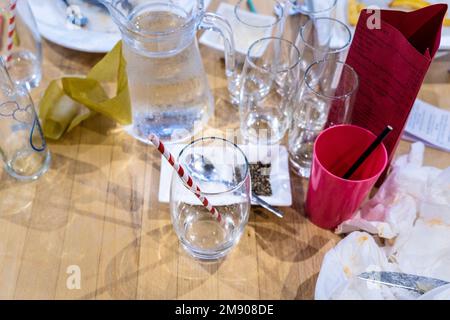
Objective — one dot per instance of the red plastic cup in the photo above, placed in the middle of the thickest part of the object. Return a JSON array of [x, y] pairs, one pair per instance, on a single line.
[[332, 199]]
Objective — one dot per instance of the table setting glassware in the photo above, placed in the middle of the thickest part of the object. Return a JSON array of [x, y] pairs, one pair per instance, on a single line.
[[175, 101], [322, 38], [22, 147], [20, 43], [315, 8], [209, 215], [326, 98], [268, 91], [249, 24]]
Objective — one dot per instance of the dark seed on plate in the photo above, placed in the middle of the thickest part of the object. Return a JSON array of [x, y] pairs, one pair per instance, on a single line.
[[260, 174]]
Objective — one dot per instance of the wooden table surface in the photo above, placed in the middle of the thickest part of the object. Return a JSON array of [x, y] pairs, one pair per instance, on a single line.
[[97, 209]]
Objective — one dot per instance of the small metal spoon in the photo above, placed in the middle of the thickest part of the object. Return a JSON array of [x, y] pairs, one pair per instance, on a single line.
[[203, 169], [74, 15]]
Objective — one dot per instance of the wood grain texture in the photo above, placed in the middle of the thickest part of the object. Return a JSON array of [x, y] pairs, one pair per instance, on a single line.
[[98, 208]]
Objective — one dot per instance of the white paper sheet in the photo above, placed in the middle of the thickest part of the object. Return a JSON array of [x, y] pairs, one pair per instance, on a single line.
[[429, 124]]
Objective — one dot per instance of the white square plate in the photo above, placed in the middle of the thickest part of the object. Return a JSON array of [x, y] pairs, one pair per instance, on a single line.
[[279, 175]]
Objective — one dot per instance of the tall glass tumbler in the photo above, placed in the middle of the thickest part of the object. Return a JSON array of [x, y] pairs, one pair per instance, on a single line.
[[316, 8], [322, 38], [20, 43], [251, 23], [309, 9], [326, 99], [22, 145], [221, 171], [269, 87]]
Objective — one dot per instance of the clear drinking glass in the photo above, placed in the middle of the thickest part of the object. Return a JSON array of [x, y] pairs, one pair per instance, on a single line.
[[326, 99], [25, 56], [322, 38], [316, 8], [269, 87], [221, 171], [22, 145], [249, 26], [309, 9]]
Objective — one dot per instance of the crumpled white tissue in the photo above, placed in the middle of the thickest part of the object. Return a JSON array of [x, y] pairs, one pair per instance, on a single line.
[[411, 211], [355, 254], [395, 206]]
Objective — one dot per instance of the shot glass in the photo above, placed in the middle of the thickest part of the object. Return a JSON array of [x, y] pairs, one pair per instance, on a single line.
[[331, 199], [251, 23], [24, 59], [269, 87], [22, 145], [322, 38], [326, 98], [221, 171]]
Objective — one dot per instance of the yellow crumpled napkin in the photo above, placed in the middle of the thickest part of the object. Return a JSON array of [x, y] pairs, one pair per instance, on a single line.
[[70, 100]]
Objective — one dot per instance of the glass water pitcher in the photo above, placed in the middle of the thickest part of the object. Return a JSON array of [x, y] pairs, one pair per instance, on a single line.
[[169, 91]]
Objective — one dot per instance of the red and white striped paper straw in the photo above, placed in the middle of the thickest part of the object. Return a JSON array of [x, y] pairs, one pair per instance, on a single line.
[[192, 186], [11, 29]]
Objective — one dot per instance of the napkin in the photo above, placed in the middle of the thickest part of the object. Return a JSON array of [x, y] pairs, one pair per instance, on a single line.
[[391, 63], [70, 100], [412, 211]]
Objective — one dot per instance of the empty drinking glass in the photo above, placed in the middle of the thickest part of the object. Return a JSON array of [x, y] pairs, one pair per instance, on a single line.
[[326, 99], [322, 38], [251, 23], [22, 145], [20, 43], [316, 8], [269, 88], [221, 171]]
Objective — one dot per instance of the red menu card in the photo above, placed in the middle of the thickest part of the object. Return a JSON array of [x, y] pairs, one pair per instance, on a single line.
[[391, 63]]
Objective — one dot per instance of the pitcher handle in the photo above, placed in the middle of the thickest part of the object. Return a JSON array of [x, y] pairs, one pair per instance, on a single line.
[[218, 24]]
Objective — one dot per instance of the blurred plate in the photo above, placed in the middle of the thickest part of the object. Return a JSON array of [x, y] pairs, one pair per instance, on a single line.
[[342, 12], [100, 34]]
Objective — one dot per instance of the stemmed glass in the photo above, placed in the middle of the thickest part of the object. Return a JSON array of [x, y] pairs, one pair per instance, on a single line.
[[322, 38], [269, 87], [326, 99], [316, 8], [251, 24]]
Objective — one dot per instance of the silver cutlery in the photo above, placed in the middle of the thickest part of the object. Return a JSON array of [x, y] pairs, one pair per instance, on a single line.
[[74, 15], [406, 281]]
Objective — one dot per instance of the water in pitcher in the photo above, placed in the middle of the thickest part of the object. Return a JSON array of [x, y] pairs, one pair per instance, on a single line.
[[169, 92]]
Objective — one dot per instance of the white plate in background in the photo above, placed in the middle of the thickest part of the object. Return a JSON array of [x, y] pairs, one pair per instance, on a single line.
[[100, 35]]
